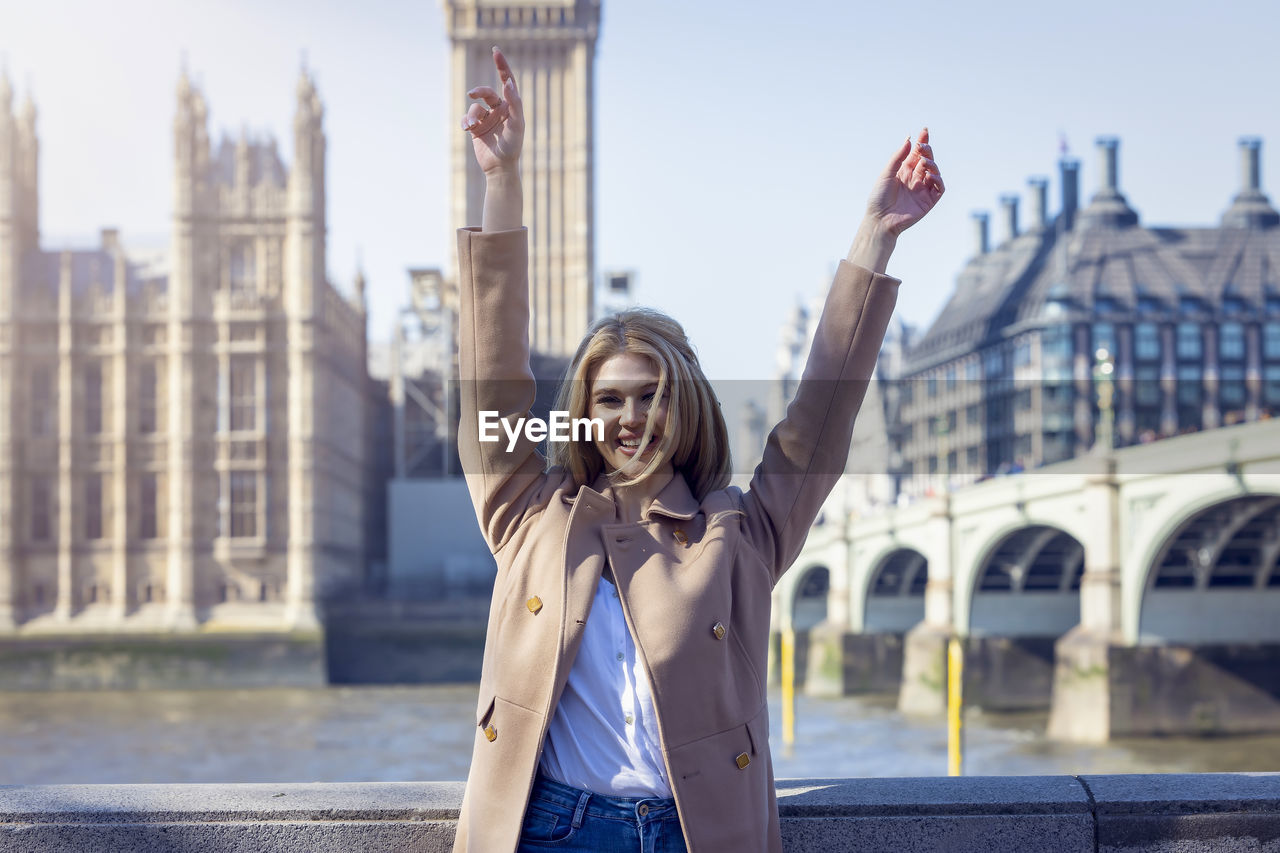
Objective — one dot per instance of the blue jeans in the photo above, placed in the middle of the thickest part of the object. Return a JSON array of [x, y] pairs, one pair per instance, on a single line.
[[561, 817]]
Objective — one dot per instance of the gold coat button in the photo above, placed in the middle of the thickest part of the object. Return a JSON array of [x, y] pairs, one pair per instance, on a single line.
[[718, 630], [534, 604], [742, 761], [681, 538], [491, 733]]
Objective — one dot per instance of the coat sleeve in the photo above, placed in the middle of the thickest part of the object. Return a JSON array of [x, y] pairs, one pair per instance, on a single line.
[[507, 486], [806, 452]]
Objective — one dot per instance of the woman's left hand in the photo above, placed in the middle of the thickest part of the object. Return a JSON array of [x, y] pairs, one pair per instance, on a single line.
[[908, 188]]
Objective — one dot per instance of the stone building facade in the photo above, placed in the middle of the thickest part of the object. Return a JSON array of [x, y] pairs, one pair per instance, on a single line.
[[1091, 327], [182, 435]]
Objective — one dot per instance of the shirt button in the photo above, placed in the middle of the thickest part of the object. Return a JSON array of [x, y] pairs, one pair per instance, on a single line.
[[615, 594], [621, 656], [630, 719]]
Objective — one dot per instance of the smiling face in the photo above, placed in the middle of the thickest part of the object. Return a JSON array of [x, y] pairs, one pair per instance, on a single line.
[[623, 393]]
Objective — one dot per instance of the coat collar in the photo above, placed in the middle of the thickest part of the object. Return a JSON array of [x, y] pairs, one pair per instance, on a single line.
[[674, 501]]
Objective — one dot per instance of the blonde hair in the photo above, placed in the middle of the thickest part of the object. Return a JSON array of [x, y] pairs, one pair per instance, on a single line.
[[695, 438]]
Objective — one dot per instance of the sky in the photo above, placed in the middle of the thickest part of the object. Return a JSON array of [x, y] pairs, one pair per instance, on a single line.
[[735, 140]]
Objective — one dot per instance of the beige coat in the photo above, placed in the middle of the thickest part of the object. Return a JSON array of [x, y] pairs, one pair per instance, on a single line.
[[694, 578]]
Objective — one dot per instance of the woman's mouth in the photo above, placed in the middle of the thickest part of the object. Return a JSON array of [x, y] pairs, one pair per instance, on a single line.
[[631, 446]]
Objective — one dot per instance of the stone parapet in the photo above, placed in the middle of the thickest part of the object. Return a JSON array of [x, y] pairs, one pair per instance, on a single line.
[[1049, 814]]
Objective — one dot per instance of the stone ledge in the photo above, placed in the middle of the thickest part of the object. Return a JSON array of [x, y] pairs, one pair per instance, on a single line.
[[1049, 814]]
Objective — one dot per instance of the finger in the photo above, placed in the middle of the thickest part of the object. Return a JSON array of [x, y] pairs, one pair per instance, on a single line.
[[924, 136], [513, 98], [935, 180], [504, 68], [899, 156], [925, 150], [488, 95], [475, 113]]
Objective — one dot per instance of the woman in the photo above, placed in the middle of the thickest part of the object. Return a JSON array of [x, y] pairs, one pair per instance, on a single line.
[[622, 701]]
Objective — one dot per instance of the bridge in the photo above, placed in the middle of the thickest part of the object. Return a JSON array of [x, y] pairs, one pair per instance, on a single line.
[[1132, 592]]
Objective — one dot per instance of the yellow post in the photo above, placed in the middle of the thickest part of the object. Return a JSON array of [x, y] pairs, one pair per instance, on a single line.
[[955, 699], [788, 687]]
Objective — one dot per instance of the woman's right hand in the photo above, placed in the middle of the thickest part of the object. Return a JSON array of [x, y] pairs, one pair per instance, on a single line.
[[497, 124]]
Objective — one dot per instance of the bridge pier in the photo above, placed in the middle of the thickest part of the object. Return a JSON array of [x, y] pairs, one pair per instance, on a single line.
[[841, 662]]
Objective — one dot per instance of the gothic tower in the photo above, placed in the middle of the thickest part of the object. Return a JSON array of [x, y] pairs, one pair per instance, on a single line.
[[189, 310], [551, 46], [304, 288], [19, 236]]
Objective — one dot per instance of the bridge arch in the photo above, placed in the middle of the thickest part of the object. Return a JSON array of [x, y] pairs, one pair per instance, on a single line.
[[1038, 564], [1211, 574], [808, 601], [894, 595]]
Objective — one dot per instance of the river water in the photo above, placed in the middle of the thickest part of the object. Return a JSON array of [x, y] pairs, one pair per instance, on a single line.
[[416, 733]]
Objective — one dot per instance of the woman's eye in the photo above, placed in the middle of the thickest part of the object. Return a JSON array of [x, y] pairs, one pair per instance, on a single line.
[[606, 400]]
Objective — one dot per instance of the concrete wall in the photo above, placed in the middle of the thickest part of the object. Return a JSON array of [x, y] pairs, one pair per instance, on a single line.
[[1047, 814], [168, 661]]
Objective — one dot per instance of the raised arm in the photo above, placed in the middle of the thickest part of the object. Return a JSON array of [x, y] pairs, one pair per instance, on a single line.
[[806, 452], [505, 478]]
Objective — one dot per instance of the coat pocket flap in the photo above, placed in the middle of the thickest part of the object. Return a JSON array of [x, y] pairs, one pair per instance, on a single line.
[[484, 709]]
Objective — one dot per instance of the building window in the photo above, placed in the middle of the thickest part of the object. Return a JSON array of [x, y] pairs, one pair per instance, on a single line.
[[148, 407], [951, 378], [1189, 342], [43, 401], [1189, 385], [931, 386], [973, 415], [1232, 305], [243, 272], [993, 363], [972, 370], [1271, 384], [1022, 353], [1231, 341], [933, 464], [244, 395], [908, 433], [148, 506], [1232, 388], [1271, 341], [1104, 337], [1146, 382], [41, 508], [971, 458], [244, 504], [953, 462], [1148, 305], [93, 507], [1146, 342], [1188, 305], [93, 398], [951, 421]]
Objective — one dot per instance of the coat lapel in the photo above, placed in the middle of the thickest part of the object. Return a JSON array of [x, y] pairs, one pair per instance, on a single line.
[[583, 562]]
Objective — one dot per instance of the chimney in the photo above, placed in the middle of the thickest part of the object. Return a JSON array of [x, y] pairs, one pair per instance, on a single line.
[[1250, 165], [1039, 202], [1010, 204], [1070, 191], [980, 232], [1250, 208], [1108, 207], [1108, 165]]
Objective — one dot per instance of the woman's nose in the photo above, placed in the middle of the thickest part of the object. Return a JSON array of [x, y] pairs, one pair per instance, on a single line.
[[633, 413]]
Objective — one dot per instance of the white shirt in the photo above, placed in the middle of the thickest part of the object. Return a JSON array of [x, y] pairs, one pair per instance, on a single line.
[[603, 736]]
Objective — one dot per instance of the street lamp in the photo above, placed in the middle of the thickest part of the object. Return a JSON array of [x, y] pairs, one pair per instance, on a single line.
[[1103, 366]]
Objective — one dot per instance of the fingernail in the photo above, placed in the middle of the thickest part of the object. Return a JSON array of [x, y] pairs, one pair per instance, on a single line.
[[495, 48]]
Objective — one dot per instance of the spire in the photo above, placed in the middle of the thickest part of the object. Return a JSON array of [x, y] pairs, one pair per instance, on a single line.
[[360, 284], [6, 90]]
